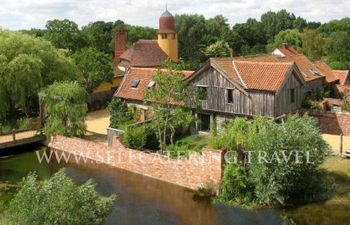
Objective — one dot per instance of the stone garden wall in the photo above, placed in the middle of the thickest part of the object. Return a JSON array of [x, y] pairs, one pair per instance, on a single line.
[[198, 170], [333, 123]]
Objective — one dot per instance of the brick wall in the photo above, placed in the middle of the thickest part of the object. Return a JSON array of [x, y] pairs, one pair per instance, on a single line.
[[333, 123], [193, 172]]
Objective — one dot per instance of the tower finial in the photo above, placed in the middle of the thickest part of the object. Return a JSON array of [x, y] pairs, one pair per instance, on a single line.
[[166, 5]]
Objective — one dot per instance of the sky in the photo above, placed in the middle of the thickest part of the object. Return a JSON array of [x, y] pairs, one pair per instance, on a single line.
[[25, 14]]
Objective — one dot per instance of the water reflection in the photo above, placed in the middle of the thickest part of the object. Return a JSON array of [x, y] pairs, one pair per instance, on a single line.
[[141, 200]]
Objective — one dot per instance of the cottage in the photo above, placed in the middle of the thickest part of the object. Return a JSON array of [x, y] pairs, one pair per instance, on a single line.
[[134, 85]]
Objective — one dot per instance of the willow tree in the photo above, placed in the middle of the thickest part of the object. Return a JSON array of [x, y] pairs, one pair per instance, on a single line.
[[65, 109], [26, 65]]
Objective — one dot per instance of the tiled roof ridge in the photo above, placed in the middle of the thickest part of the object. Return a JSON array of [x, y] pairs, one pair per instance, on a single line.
[[264, 63], [163, 69], [344, 71], [146, 41]]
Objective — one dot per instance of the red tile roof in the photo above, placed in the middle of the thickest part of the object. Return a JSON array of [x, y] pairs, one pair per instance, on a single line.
[[343, 76], [144, 53], [145, 75], [267, 76], [345, 89], [327, 71], [263, 75], [310, 71]]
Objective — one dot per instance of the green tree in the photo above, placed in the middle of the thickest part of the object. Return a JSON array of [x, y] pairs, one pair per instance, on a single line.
[[27, 65], [218, 49], [94, 68], [291, 37], [118, 110], [250, 38], [191, 29], [136, 33], [64, 34], [65, 108], [167, 99], [99, 35], [300, 24], [25, 80], [58, 201], [313, 44], [273, 22], [334, 26], [338, 50]]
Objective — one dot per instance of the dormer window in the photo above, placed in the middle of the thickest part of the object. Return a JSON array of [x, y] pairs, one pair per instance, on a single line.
[[135, 83], [151, 84], [164, 36]]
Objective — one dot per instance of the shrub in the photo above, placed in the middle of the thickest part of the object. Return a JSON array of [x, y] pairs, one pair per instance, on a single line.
[[119, 112], [178, 149], [236, 187], [58, 201], [217, 142], [269, 182], [204, 192], [135, 137]]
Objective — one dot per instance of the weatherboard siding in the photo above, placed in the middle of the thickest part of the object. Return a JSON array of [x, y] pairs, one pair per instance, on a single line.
[[251, 103], [283, 98]]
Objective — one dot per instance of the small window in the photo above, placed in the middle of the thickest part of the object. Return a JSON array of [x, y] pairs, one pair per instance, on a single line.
[[292, 95], [151, 84], [229, 96], [135, 83], [174, 37], [164, 36], [203, 93]]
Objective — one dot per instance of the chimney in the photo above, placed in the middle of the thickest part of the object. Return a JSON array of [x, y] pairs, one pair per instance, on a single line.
[[119, 45], [284, 45]]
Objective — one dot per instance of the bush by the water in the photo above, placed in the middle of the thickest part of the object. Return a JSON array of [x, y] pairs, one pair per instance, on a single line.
[[275, 163], [58, 201]]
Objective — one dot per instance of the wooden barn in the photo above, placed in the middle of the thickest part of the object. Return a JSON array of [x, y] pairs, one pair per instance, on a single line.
[[233, 88]]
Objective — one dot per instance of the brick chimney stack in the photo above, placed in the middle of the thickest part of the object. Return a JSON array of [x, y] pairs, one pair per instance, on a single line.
[[119, 45]]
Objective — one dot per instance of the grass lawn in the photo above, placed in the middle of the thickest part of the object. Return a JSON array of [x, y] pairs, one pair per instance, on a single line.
[[187, 145], [336, 210], [196, 142]]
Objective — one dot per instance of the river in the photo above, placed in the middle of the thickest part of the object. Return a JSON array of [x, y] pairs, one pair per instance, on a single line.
[[141, 200]]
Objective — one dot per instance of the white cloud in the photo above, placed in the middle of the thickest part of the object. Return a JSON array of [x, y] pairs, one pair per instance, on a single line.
[[22, 14]]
